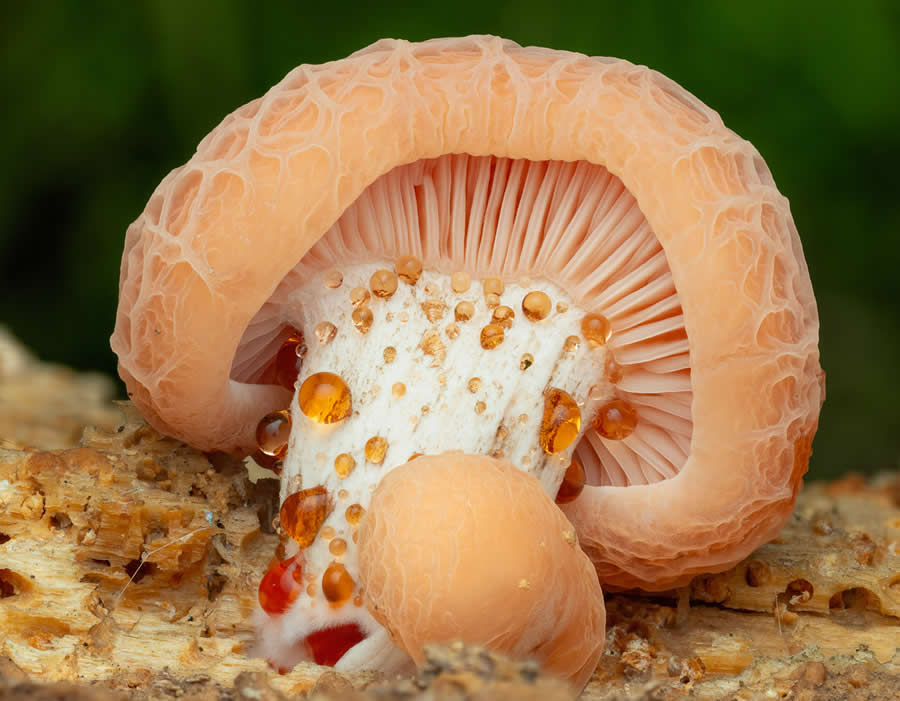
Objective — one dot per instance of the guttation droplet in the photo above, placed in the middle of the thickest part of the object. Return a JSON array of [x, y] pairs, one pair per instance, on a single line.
[[536, 305], [359, 296], [334, 279], [280, 586], [560, 422], [383, 283], [572, 484], [325, 398], [328, 646], [344, 465], [492, 286], [375, 449], [526, 361], [616, 420], [503, 316], [596, 329], [325, 332], [303, 513], [464, 311], [354, 514], [288, 359], [337, 547], [460, 281], [409, 268], [273, 432], [362, 318], [337, 584], [491, 336]]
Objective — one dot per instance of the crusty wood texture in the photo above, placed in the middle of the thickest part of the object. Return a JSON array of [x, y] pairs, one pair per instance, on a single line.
[[131, 560]]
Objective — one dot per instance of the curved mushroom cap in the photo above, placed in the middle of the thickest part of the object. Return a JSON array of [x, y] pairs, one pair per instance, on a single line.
[[467, 547], [221, 236]]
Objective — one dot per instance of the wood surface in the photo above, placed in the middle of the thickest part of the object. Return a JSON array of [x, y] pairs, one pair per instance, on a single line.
[[129, 564]]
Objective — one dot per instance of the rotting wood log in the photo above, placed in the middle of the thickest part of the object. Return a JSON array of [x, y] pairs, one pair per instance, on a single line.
[[129, 564]]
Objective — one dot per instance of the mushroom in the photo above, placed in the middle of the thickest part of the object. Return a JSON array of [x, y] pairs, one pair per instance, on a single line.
[[563, 262]]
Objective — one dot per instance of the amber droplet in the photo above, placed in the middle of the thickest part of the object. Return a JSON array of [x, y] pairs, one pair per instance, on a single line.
[[464, 311], [270, 462], [337, 584], [562, 307], [409, 268], [325, 398], [434, 309], [362, 318], [390, 354], [383, 283], [596, 329], [616, 420], [502, 432], [359, 296], [357, 600], [503, 316], [452, 331], [480, 407], [325, 332], [288, 359], [311, 589], [327, 533], [571, 344], [573, 482], [337, 547], [376, 447], [536, 305], [460, 282], [329, 645], [344, 464], [560, 422], [474, 384], [273, 432], [354, 514], [280, 586], [526, 361], [334, 279], [303, 513], [492, 286], [523, 418], [492, 300], [398, 390], [491, 336], [613, 369], [343, 494]]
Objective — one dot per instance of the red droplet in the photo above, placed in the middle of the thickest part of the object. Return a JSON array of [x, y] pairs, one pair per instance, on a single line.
[[288, 359], [329, 645], [280, 586]]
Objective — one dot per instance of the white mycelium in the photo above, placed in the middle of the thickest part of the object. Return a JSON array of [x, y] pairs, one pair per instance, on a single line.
[[442, 408]]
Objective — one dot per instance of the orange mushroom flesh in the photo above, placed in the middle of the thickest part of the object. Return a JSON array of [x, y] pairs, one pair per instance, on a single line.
[[599, 185]]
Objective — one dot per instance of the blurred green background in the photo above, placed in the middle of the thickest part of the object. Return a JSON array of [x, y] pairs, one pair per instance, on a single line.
[[102, 99]]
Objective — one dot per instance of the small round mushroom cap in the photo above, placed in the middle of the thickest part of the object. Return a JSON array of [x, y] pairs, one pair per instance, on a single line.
[[467, 547], [417, 149]]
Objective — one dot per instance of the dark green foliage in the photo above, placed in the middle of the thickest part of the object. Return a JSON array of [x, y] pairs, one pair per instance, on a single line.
[[101, 99]]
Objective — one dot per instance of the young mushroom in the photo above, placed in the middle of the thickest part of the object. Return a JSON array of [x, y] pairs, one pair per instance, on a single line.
[[565, 263]]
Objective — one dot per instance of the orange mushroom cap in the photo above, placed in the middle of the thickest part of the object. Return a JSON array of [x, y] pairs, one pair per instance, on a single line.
[[467, 547], [223, 233]]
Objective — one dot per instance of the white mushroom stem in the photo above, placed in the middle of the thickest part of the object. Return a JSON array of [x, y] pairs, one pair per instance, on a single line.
[[438, 390]]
